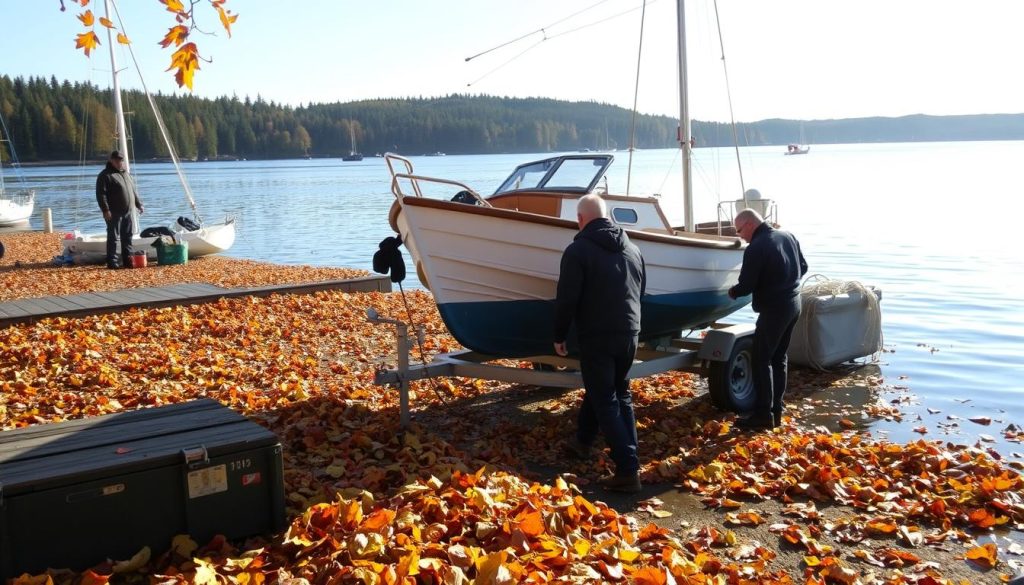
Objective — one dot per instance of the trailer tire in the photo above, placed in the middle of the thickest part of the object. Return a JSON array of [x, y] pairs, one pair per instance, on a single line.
[[731, 383]]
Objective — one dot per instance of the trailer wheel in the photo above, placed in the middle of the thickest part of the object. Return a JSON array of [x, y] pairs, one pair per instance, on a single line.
[[731, 383]]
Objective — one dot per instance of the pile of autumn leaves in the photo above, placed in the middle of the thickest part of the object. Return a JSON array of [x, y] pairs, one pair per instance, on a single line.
[[373, 505]]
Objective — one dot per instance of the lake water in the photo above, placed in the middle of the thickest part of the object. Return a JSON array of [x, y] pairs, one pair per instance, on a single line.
[[933, 225]]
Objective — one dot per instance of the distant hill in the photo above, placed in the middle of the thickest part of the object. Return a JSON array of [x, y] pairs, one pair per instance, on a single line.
[[51, 120]]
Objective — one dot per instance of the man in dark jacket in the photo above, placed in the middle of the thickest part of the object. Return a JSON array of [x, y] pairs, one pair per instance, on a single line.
[[116, 196], [601, 282], [772, 268]]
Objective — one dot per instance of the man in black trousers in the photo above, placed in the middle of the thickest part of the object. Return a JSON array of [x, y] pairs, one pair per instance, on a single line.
[[600, 284], [116, 196], [772, 268]]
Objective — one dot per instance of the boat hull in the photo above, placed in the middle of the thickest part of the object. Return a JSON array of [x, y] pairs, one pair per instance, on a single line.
[[209, 239], [494, 273], [17, 209]]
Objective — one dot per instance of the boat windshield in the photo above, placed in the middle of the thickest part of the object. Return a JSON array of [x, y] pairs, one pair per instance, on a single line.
[[573, 174]]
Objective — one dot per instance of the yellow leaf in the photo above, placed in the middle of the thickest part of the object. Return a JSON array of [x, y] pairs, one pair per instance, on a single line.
[[183, 546], [86, 18], [985, 555], [226, 18], [123, 39], [173, 5], [206, 573], [176, 35], [87, 42]]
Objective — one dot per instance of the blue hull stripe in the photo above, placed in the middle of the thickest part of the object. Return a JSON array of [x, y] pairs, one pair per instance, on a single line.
[[524, 328]]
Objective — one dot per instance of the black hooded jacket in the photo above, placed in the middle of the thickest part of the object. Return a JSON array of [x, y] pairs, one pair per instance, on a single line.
[[772, 268], [115, 191], [600, 283]]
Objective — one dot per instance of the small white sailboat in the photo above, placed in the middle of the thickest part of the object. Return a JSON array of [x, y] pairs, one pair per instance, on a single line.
[[209, 238], [15, 206]]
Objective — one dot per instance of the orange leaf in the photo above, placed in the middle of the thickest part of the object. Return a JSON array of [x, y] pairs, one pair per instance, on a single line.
[[106, 22], [881, 525], [123, 39], [176, 35], [984, 555], [532, 524], [86, 18], [87, 42], [173, 5], [649, 576], [226, 18]]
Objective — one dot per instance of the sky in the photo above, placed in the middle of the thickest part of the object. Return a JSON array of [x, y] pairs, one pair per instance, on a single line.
[[795, 59]]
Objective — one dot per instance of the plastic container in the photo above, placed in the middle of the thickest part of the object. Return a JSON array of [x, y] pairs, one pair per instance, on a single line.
[[138, 260], [172, 254]]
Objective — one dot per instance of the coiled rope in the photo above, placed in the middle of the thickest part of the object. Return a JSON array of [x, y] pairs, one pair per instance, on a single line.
[[821, 286]]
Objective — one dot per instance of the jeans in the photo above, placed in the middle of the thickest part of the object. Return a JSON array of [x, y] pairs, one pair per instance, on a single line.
[[771, 342], [119, 227], [607, 403]]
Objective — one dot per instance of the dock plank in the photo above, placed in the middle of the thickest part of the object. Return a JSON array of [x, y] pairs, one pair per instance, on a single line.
[[94, 303]]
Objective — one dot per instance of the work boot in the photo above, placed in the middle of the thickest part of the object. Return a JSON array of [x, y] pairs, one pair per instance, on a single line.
[[757, 422], [577, 450], [629, 484]]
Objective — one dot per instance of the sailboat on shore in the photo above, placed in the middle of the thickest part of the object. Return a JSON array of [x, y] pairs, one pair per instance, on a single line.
[[15, 206], [203, 238], [492, 263]]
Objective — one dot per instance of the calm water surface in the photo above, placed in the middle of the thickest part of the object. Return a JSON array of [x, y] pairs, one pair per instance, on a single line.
[[933, 225]]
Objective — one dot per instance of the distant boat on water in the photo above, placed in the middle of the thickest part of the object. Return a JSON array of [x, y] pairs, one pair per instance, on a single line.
[[797, 149], [353, 155], [438, 153]]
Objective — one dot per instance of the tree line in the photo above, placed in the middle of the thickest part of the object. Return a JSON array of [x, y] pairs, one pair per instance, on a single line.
[[50, 120]]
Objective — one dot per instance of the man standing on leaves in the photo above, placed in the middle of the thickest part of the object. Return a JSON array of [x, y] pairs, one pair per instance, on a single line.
[[772, 268], [600, 284], [116, 196]]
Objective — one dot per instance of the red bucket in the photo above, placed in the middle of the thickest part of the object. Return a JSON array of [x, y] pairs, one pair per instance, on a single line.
[[138, 260]]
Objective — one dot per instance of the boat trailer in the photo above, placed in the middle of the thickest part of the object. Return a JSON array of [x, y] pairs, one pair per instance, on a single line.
[[721, 352]]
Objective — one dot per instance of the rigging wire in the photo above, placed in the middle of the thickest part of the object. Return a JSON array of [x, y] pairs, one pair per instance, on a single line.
[[728, 94], [636, 96], [160, 123], [547, 37]]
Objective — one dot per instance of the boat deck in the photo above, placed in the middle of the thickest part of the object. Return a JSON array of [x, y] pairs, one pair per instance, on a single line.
[[95, 303]]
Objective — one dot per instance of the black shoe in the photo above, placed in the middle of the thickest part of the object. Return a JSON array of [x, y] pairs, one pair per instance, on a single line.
[[577, 450], [756, 422], [629, 484], [112, 266]]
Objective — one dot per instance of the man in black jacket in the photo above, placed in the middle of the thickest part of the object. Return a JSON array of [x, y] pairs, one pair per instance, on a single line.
[[601, 282], [116, 196], [772, 268]]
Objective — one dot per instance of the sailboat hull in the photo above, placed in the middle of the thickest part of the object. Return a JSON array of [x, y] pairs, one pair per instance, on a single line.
[[494, 272], [17, 208], [209, 239]]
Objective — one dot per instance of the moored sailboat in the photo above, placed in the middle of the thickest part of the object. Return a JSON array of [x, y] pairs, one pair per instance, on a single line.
[[15, 206]]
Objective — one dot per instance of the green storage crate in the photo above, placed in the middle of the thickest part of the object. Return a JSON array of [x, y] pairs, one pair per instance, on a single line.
[[172, 253], [75, 493]]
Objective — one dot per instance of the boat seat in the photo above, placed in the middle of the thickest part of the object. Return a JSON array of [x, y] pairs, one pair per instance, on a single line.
[[762, 206]]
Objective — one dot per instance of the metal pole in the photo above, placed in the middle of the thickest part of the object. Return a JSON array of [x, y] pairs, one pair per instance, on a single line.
[[122, 134], [684, 118], [402, 331]]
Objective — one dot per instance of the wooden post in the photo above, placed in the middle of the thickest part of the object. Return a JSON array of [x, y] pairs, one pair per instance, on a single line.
[[47, 221]]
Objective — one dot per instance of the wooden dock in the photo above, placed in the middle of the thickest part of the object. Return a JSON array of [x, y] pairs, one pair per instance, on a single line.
[[95, 303]]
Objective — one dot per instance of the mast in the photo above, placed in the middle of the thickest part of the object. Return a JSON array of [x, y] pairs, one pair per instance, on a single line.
[[122, 135], [684, 118]]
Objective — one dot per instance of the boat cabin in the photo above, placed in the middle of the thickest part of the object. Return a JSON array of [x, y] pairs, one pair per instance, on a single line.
[[551, 187]]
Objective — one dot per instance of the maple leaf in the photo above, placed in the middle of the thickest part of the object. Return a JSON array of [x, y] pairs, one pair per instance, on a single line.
[[186, 61], [87, 41], [226, 18], [86, 18], [173, 5], [176, 35]]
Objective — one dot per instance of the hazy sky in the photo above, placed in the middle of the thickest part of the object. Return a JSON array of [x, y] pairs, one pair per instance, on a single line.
[[802, 59]]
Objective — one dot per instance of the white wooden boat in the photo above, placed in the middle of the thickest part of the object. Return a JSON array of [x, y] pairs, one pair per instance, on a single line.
[[493, 266], [210, 238]]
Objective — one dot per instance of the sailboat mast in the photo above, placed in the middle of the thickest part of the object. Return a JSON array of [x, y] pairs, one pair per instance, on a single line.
[[122, 135], [684, 118]]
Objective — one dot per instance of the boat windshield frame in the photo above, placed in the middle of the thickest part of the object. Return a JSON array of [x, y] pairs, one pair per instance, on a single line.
[[549, 170]]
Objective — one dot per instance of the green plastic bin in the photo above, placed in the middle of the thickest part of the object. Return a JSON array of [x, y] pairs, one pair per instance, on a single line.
[[172, 254]]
